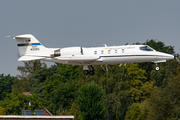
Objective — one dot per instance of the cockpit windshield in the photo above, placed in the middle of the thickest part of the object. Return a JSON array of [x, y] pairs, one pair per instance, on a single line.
[[146, 48]]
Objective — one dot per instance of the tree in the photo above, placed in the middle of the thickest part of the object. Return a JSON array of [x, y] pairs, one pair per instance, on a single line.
[[60, 89], [74, 111], [90, 102], [117, 102], [26, 80], [40, 77], [5, 85], [115, 86], [16, 102], [164, 102], [62, 111], [59, 95], [2, 111], [167, 72], [45, 72], [134, 113], [139, 88]]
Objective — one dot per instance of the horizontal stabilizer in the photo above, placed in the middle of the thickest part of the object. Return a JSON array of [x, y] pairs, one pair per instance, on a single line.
[[14, 37], [30, 58], [78, 58]]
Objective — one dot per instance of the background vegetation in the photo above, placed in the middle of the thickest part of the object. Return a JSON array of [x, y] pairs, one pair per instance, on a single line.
[[126, 92]]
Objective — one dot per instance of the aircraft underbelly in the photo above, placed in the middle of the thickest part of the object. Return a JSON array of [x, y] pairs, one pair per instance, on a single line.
[[127, 59]]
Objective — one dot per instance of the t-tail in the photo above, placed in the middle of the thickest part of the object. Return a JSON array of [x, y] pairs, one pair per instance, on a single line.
[[31, 49]]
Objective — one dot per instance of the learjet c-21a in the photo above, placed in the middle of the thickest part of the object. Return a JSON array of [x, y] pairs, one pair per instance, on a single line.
[[31, 49]]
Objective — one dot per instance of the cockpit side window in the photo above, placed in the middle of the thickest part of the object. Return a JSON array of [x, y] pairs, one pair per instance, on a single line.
[[146, 48]]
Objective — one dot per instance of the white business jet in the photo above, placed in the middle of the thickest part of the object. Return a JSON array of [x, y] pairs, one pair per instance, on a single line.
[[31, 49]]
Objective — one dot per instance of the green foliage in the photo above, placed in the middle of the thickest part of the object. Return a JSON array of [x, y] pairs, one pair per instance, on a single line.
[[25, 80], [40, 77], [20, 85], [2, 111], [59, 94], [167, 72], [144, 109], [74, 111], [30, 68], [140, 89], [164, 102], [90, 102], [134, 113], [117, 103], [62, 111], [45, 72], [16, 102], [5, 85], [114, 84], [60, 89], [69, 72]]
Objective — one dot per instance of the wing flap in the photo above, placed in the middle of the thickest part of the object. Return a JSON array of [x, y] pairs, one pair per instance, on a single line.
[[78, 58]]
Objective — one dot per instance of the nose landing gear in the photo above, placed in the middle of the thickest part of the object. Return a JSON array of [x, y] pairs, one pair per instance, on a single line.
[[157, 67]]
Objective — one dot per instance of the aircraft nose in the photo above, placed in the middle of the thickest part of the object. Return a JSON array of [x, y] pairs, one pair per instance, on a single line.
[[169, 57]]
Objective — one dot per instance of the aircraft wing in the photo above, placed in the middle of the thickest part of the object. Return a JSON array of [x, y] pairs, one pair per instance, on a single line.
[[71, 59], [78, 58]]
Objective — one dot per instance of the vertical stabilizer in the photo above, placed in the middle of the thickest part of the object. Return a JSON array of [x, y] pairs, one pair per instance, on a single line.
[[28, 45]]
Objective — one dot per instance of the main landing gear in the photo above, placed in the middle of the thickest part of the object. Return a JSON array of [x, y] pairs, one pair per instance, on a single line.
[[86, 70]]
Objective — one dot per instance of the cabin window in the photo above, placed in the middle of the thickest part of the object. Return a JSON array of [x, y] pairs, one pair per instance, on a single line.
[[122, 50], [102, 51], [146, 48], [115, 50], [95, 52], [109, 51]]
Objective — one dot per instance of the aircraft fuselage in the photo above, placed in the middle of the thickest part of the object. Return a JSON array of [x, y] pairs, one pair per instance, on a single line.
[[110, 55]]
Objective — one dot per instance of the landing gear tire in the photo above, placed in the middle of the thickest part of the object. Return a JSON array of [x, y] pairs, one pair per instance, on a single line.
[[157, 68], [85, 72], [91, 72]]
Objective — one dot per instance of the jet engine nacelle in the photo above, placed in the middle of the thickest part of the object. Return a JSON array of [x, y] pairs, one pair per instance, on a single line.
[[71, 51]]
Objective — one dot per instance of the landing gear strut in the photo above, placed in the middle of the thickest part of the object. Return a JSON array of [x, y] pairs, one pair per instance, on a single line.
[[86, 70], [91, 72]]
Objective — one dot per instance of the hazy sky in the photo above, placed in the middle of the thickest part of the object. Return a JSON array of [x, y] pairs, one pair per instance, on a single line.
[[62, 23]]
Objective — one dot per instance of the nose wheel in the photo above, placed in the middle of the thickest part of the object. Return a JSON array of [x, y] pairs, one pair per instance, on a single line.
[[157, 67]]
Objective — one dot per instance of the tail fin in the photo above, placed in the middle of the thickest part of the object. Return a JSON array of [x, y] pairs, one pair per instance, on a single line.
[[29, 46]]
